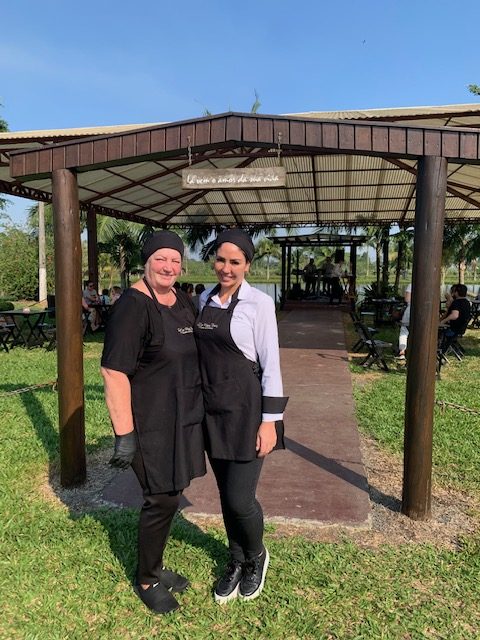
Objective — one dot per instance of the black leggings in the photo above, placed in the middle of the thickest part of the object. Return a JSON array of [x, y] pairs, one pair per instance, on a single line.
[[154, 525], [242, 513]]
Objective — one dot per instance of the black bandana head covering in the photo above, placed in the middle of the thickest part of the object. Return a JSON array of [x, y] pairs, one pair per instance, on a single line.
[[162, 240], [238, 237]]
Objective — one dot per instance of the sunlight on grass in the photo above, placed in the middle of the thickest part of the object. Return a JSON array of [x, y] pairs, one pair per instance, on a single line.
[[65, 575]]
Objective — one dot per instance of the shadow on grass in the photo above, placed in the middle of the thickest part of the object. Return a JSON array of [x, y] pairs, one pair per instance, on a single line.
[[120, 524]]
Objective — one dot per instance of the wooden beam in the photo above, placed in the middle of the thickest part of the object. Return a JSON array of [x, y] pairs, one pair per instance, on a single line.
[[92, 247], [422, 342], [68, 291]]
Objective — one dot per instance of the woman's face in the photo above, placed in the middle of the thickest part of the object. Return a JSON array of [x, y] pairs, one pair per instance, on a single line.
[[230, 265], [163, 267]]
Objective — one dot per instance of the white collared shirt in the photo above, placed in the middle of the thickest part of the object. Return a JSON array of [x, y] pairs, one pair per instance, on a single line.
[[254, 331]]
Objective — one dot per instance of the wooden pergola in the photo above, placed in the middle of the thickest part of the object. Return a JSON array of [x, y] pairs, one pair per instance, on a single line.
[[399, 173], [318, 239]]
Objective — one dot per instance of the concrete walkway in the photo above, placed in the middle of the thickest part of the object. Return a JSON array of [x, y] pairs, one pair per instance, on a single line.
[[320, 477]]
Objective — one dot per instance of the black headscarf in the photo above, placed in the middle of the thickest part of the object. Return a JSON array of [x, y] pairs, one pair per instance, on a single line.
[[239, 238], [162, 240]]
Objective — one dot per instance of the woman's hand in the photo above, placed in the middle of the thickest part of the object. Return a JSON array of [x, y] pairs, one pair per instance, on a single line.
[[266, 438], [125, 449]]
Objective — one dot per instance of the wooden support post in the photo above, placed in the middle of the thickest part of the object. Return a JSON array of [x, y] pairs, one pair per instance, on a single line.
[[289, 268], [385, 250], [283, 296], [353, 262], [92, 248], [68, 304], [422, 341], [352, 285]]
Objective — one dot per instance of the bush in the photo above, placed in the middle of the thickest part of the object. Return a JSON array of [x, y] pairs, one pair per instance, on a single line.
[[6, 306]]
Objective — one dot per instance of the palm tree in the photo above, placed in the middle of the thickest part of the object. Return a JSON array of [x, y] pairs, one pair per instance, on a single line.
[[122, 241], [403, 240], [378, 237], [266, 248], [461, 243]]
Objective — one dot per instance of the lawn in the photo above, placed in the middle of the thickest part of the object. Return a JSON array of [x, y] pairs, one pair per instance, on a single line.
[[67, 575]]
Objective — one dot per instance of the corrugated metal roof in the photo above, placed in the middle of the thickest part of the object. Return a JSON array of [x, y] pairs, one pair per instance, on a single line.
[[75, 132], [321, 189], [465, 115]]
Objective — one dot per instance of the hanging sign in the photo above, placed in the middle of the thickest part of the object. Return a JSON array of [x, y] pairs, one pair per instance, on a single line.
[[233, 178]]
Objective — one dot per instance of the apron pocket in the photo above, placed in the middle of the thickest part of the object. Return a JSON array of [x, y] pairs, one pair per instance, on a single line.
[[224, 396], [190, 409]]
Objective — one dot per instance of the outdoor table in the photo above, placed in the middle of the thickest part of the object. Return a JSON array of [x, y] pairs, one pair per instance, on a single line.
[[27, 327], [382, 306], [103, 310]]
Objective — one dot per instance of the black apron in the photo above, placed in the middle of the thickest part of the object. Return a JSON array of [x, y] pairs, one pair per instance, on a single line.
[[231, 387], [167, 403]]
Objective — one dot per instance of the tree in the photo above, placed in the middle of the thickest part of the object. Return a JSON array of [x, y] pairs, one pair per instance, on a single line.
[[253, 109], [474, 88], [404, 241], [18, 263], [461, 243], [378, 237], [267, 249], [122, 241]]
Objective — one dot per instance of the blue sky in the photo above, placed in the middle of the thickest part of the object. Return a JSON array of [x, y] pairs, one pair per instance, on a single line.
[[91, 63]]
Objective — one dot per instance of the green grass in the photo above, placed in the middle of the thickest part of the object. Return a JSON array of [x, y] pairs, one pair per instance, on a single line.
[[68, 576], [456, 434]]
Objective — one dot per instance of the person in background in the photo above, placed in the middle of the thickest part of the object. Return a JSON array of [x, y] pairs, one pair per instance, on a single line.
[[90, 316], [237, 337], [105, 298], [328, 268], [404, 324], [310, 275], [187, 287], [336, 289], [115, 293], [457, 316], [153, 393], [90, 293], [199, 289], [91, 298]]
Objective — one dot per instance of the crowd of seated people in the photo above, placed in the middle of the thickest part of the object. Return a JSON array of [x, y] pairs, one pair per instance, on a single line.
[[90, 301], [452, 323]]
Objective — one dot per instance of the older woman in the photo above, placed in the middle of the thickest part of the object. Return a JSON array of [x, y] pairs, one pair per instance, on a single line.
[[153, 393], [237, 338]]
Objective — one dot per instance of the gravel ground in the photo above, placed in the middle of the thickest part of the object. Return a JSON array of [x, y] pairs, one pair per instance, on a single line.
[[454, 514]]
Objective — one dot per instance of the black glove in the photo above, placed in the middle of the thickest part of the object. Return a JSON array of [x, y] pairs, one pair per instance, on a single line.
[[125, 449]]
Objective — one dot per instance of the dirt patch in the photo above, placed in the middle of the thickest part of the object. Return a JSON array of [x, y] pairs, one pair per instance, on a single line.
[[454, 514]]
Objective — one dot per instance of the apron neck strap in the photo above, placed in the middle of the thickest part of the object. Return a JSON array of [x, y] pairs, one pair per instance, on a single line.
[[152, 293], [216, 290]]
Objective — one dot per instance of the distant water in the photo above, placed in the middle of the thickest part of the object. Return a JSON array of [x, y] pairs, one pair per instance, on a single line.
[[270, 288], [274, 289]]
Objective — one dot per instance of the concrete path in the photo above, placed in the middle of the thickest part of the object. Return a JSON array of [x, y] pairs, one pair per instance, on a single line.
[[320, 477]]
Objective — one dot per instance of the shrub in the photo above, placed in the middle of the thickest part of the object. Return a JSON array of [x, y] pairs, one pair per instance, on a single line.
[[6, 306]]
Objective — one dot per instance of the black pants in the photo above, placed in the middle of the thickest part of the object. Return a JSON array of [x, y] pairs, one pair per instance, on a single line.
[[242, 513], [154, 525]]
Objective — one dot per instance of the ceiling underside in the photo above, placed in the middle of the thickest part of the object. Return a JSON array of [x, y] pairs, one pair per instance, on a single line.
[[321, 190], [328, 189]]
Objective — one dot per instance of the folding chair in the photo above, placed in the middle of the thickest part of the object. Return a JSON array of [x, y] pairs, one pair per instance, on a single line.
[[4, 335], [375, 349], [361, 338]]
